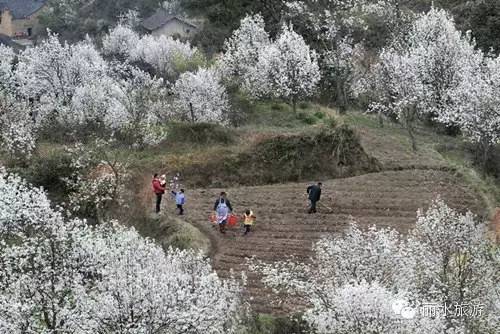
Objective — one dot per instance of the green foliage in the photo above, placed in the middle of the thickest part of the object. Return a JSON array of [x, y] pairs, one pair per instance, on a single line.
[[181, 64], [200, 134], [267, 324], [47, 169], [307, 118], [319, 115], [482, 18], [223, 17], [72, 20], [286, 158]]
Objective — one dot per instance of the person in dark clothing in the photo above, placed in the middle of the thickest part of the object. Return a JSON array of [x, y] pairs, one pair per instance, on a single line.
[[159, 190], [314, 193], [222, 208]]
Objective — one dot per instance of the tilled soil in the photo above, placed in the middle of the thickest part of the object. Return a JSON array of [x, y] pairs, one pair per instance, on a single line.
[[283, 227]]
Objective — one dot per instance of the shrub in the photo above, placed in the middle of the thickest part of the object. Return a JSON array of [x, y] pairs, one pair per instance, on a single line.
[[307, 118], [304, 105], [319, 114], [200, 133]]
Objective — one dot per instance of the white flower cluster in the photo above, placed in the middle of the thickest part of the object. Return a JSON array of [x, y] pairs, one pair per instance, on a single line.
[[286, 68], [61, 275], [354, 279], [160, 52], [200, 97], [74, 86], [436, 70], [99, 178]]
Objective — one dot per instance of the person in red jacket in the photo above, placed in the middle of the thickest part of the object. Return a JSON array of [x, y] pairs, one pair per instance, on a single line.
[[159, 190]]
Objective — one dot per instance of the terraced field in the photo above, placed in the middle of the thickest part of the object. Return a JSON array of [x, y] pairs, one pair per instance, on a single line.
[[387, 199]]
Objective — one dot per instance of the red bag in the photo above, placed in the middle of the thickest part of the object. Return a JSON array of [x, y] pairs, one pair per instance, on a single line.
[[232, 220]]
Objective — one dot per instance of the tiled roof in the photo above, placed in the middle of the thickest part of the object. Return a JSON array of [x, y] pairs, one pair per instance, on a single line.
[[22, 8], [159, 19]]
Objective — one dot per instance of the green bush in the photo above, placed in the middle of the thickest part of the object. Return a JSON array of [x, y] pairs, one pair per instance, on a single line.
[[304, 105], [47, 170], [278, 107], [200, 133], [331, 122], [319, 114], [307, 118]]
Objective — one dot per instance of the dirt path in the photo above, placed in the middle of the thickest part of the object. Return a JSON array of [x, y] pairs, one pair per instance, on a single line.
[[387, 199]]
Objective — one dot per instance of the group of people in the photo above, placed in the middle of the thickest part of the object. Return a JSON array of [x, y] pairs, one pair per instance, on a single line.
[[159, 188], [222, 207]]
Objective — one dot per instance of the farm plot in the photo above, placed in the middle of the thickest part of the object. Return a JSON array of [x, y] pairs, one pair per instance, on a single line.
[[283, 228]]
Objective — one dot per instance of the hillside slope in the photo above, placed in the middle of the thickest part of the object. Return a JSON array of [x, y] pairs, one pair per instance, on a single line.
[[387, 199]]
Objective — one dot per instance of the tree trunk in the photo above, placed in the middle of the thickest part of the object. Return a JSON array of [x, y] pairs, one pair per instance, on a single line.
[[380, 119], [294, 105], [485, 154], [340, 97], [192, 112], [412, 138]]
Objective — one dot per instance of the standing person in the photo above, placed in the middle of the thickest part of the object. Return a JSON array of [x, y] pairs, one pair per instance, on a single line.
[[222, 208], [314, 193], [248, 220], [180, 199], [159, 190]]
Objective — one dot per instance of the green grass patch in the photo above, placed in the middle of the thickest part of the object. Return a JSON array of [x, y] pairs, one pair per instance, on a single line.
[[268, 324], [199, 134]]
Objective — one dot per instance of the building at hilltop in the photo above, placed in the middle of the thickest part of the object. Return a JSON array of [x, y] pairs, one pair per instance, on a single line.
[[161, 23], [19, 18]]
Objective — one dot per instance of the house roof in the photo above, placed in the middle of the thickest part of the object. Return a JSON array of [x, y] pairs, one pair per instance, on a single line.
[[159, 19], [22, 8]]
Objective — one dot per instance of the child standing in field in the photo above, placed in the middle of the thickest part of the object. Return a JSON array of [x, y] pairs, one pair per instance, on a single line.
[[248, 220], [180, 199]]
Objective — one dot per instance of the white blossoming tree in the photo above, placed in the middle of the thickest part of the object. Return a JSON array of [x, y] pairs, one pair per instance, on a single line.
[[352, 282], [163, 54], [332, 25], [60, 275], [475, 107], [6, 69], [99, 179], [414, 76], [242, 49], [286, 69], [145, 289], [120, 42], [200, 97], [51, 72]]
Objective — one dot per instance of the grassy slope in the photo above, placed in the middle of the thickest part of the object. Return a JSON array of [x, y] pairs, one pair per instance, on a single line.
[[391, 146]]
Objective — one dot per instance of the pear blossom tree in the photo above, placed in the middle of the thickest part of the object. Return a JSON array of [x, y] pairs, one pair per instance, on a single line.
[[331, 26], [354, 282], [161, 53], [120, 42], [61, 275], [474, 107], [6, 69], [449, 260], [415, 75], [145, 289], [444, 53], [42, 265], [51, 72], [200, 97], [243, 48], [405, 89], [17, 129], [99, 178], [286, 69]]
